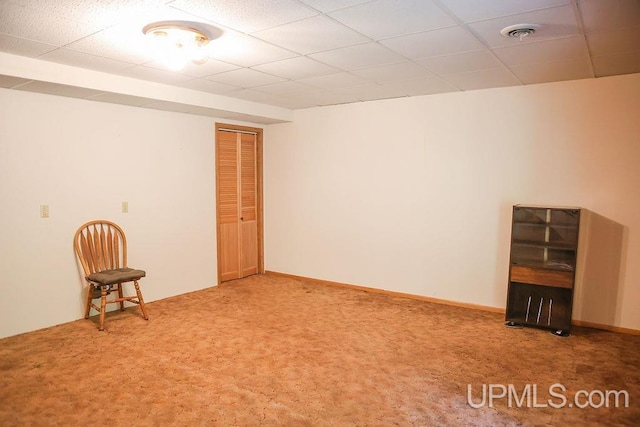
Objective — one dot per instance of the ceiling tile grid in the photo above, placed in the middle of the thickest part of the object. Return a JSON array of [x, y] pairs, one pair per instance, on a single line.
[[316, 34], [305, 53], [382, 19]]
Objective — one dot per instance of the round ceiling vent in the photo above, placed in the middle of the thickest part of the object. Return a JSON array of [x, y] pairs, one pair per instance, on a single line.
[[519, 31]]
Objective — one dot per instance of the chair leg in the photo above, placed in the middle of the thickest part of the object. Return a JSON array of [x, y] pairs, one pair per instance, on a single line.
[[120, 295], [140, 300], [103, 306], [87, 308]]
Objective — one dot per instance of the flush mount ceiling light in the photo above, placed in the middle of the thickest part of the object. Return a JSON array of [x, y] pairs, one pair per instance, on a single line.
[[519, 31], [176, 43]]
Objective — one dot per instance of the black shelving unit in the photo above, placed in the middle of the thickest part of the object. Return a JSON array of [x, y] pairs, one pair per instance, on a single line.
[[542, 267]]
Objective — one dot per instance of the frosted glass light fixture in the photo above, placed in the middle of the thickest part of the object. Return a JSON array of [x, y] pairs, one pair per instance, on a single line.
[[177, 43]]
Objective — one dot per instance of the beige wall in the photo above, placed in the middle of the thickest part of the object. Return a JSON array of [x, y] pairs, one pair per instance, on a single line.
[[415, 195], [411, 195], [83, 159]]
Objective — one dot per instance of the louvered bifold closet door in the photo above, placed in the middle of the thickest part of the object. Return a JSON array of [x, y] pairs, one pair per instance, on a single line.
[[237, 205], [248, 205]]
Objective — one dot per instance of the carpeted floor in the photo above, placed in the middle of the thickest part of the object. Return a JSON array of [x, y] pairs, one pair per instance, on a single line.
[[268, 350]]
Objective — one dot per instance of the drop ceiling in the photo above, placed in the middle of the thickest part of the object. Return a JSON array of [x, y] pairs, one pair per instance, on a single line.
[[275, 56]]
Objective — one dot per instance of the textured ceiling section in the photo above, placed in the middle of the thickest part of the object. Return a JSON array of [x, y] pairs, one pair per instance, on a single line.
[[304, 53]]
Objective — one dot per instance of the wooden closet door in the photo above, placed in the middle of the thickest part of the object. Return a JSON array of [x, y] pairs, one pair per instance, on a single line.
[[237, 173], [248, 205]]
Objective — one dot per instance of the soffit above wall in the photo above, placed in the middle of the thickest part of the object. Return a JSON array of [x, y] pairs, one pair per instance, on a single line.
[[28, 74]]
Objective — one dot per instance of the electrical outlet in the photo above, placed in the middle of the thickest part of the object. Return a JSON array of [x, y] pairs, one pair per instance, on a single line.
[[44, 211], [125, 207]]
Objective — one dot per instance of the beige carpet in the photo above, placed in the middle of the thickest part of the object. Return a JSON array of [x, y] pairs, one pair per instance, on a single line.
[[268, 350]]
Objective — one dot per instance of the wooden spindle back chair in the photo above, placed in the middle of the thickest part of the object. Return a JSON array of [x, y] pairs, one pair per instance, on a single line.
[[101, 247]]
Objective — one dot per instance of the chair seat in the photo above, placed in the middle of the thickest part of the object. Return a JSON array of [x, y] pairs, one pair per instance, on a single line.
[[119, 275]]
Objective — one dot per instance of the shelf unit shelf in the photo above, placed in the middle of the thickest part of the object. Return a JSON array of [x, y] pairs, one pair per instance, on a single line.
[[544, 246], [551, 245]]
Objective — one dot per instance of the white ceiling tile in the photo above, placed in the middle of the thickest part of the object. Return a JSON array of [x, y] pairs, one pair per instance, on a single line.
[[244, 77], [555, 50], [212, 66], [331, 5], [389, 18], [371, 92], [311, 35], [294, 102], [334, 98], [359, 56], [31, 24], [11, 81], [461, 62], [209, 86], [483, 79], [603, 15], [553, 71], [422, 86], [476, 10], [610, 42], [554, 23], [246, 51], [124, 43], [97, 14], [250, 95], [440, 42], [247, 16], [286, 88], [85, 60], [58, 89], [385, 73], [334, 81], [619, 63], [23, 47], [296, 68], [153, 74]]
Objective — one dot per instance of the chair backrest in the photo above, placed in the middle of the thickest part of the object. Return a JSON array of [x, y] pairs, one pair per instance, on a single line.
[[100, 245]]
